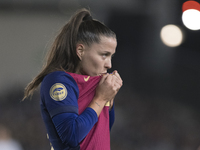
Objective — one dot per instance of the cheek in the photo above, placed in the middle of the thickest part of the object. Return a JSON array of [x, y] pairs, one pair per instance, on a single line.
[[92, 65], [97, 63]]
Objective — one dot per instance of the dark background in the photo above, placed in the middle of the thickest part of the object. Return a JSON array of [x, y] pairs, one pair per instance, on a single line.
[[158, 105]]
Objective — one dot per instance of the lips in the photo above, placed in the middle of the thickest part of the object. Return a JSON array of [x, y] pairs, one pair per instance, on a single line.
[[102, 74]]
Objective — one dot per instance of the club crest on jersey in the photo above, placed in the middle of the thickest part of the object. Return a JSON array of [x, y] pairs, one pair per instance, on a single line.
[[58, 92]]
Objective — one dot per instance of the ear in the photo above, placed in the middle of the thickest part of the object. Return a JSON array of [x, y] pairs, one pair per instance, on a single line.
[[80, 50]]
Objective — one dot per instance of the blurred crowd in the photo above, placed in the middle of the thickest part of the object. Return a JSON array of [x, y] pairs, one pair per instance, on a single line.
[[6, 141], [23, 119], [142, 123], [146, 122]]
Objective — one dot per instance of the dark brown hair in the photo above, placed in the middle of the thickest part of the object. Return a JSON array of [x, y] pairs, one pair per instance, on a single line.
[[62, 56]]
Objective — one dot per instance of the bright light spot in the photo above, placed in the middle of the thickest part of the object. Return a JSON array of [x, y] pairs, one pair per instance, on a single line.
[[190, 5], [191, 19], [191, 14], [171, 35]]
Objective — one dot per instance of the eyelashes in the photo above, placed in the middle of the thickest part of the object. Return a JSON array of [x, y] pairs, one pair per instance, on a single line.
[[107, 54]]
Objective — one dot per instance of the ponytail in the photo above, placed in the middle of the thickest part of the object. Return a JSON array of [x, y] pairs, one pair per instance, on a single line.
[[62, 56]]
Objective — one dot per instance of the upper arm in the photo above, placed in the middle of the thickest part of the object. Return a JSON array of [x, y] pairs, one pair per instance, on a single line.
[[60, 93]]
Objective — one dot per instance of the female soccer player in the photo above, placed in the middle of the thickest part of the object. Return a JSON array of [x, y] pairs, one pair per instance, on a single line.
[[76, 91]]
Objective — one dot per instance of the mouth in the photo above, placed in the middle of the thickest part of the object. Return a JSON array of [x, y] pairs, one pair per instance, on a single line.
[[102, 74]]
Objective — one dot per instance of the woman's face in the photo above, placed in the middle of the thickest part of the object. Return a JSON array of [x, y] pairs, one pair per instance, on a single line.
[[96, 58]]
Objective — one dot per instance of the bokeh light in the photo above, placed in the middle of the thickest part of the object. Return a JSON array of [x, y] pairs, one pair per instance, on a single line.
[[191, 15], [171, 35], [190, 5]]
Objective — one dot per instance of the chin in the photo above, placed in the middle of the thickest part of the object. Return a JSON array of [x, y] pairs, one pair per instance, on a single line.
[[91, 74], [94, 75]]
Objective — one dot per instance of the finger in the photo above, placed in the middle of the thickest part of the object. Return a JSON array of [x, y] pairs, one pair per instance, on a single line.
[[115, 71], [118, 82], [103, 78], [117, 78], [117, 85], [117, 75], [109, 78]]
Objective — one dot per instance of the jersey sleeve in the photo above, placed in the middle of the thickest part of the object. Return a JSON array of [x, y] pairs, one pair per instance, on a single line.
[[59, 93], [112, 116], [60, 97]]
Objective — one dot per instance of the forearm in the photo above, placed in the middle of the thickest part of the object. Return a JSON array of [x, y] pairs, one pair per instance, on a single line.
[[72, 128], [97, 105]]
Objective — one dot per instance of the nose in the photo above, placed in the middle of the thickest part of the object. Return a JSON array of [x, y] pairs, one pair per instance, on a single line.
[[108, 64]]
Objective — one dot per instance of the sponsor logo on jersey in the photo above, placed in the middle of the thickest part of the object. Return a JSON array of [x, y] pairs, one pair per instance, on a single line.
[[58, 92], [86, 79]]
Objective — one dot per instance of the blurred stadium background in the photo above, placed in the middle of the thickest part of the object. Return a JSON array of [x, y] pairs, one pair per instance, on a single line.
[[158, 106]]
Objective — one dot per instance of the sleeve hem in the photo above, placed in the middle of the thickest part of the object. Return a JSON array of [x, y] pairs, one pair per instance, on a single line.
[[63, 109]]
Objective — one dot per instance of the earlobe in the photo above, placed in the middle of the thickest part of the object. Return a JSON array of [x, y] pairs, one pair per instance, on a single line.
[[80, 50]]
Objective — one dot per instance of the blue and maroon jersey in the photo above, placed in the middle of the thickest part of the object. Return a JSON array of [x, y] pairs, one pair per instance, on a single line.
[[70, 123]]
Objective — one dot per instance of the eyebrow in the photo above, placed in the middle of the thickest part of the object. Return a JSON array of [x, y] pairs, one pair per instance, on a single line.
[[107, 52]]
